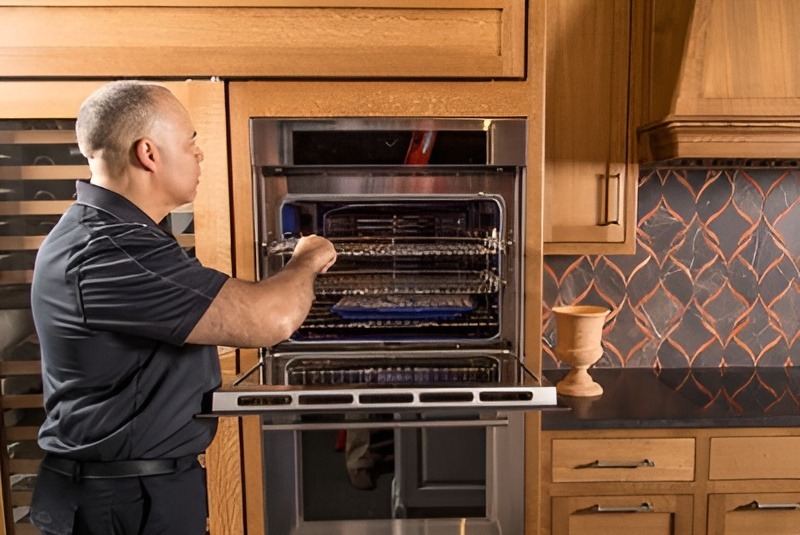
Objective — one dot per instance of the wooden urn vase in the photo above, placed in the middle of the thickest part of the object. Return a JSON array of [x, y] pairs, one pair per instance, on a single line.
[[579, 332]]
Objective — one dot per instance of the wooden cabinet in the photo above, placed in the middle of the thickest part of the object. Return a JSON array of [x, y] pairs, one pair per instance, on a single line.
[[681, 481], [39, 164], [264, 38], [590, 168]]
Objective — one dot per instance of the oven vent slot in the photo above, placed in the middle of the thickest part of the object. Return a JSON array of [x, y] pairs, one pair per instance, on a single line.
[[325, 399], [264, 400], [446, 397], [381, 399], [499, 395]]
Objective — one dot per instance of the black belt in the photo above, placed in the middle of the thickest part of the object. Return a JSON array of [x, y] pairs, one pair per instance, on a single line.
[[112, 469]]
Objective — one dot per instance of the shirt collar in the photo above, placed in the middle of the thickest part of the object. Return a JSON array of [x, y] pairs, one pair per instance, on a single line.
[[113, 203]]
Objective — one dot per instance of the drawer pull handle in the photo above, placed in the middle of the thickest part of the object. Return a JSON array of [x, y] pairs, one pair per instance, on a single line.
[[644, 463], [754, 505], [645, 507]]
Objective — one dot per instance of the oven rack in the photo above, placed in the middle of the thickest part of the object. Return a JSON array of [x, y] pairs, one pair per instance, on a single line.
[[350, 249], [401, 374], [393, 282], [332, 323], [380, 246]]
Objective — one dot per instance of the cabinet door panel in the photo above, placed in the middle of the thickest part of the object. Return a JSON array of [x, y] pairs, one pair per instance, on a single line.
[[746, 514], [590, 189], [630, 515], [284, 38]]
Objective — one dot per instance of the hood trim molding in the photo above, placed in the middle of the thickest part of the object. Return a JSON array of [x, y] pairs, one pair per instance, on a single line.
[[698, 137]]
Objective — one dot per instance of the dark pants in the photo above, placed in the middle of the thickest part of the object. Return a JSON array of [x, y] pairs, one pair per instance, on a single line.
[[172, 504]]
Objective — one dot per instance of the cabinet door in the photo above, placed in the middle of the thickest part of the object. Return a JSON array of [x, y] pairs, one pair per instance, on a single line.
[[746, 514], [39, 164], [264, 38], [631, 515], [590, 173]]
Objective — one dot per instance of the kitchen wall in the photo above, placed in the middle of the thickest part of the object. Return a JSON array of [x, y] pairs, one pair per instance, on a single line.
[[714, 281]]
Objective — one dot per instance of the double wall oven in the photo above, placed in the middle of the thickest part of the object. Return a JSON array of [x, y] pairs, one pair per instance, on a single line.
[[397, 407]]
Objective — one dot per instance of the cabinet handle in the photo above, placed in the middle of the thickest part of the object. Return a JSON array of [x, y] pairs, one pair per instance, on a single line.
[[754, 505], [644, 463], [607, 216], [645, 507]]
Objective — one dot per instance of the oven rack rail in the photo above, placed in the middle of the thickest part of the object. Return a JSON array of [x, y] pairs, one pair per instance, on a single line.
[[393, 282]]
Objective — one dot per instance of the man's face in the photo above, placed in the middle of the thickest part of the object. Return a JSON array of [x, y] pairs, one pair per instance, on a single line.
[[176, 138]]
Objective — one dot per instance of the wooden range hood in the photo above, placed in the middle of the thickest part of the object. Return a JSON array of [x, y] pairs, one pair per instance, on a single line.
[[721, 80]]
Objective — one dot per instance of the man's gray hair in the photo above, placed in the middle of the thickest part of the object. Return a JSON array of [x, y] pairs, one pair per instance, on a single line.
[[114, 117]]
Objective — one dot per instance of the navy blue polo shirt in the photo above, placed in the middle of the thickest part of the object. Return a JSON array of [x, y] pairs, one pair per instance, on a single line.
[[114, 297]]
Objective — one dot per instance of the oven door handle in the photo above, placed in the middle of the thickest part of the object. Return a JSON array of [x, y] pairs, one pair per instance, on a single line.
[[495, 421]]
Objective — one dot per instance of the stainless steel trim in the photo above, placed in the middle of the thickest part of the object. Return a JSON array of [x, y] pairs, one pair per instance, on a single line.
[[298, 400], [389, 424], [406, 526]]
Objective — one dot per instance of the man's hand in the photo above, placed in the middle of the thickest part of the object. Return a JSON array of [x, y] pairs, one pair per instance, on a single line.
[[317, 251]]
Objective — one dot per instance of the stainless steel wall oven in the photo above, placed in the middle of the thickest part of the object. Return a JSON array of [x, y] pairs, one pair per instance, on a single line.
[[410, 360]]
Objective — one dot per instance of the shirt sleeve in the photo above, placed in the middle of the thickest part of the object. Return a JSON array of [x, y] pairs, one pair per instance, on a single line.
[[139, 281]]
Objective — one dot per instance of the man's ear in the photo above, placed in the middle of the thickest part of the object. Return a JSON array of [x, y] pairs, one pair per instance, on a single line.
[[146, 153]]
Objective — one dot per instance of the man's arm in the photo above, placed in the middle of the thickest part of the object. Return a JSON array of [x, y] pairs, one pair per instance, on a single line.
[[261, 314]]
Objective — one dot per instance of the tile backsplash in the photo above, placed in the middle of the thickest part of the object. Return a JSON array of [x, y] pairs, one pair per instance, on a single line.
[[714, 281]]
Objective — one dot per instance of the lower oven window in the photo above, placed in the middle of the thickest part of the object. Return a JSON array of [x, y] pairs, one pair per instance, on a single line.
[[362, 474], [412, 270]]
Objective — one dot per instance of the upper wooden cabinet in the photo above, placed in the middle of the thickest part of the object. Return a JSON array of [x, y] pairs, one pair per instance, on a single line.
[[590, 172], [264, 38]]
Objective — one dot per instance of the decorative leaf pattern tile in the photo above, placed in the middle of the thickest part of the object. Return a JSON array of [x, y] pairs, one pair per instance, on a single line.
[[714, 281]]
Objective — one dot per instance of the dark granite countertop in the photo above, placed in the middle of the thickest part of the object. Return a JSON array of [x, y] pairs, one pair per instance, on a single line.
[[682, 397]]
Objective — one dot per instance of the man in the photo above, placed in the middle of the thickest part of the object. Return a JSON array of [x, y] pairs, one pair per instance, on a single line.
[[128, 323]]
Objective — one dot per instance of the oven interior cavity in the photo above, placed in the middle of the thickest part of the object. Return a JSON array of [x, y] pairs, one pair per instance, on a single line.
[[407, 270]]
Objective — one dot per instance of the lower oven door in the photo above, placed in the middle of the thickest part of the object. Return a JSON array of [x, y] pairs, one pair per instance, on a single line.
[[432, 480]]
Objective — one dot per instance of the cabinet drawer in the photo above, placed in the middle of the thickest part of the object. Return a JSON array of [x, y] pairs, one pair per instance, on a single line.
[[745, 514], [640, 459], [754, 458], [611, 515]]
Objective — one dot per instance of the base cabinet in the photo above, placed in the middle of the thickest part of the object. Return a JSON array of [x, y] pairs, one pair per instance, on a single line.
[[629, 515], [681, 481]]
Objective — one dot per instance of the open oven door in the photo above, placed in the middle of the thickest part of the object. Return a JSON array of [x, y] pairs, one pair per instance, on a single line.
[[372, 393]]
